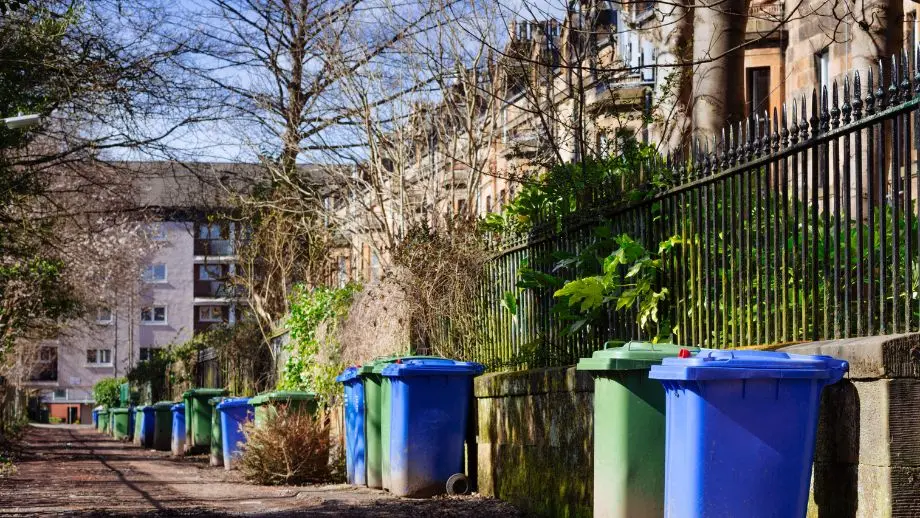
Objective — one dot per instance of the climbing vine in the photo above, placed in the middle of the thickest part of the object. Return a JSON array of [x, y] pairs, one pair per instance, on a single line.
[[313, 353]]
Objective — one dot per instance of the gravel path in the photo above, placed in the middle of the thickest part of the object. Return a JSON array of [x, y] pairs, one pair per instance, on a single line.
[[76, 471]]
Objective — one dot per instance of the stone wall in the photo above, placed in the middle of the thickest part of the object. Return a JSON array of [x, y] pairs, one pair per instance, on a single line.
[[535, 441], [867, 459]]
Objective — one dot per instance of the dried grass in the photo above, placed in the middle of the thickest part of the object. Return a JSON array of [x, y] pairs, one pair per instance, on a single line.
[[291, 447]]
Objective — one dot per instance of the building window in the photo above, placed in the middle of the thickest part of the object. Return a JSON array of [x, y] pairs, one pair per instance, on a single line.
[[104, 316], [210, 231], [375, 267], [99, 357], [148, 353], [153, 315], [461, 206], [47, 368], [60, 394], [210, 314], [822, 69], [343, 271], [488, 204], [210, 272], [156, 232], [155, 273], [758, 90], [502, 198]]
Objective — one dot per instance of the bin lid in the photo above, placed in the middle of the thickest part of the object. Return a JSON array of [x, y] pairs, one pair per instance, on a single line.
[[282, 395], [234, 402], [619, 356], [431, 367], [104, 411], [163, 405], [119, 411], [215, 400], [712, 364], [178, 407], [140, 408], [205, 392], [377, 365], [99, 408], [348, 374]]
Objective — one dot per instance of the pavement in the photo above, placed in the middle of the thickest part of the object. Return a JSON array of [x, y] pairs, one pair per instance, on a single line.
[[73, 470]]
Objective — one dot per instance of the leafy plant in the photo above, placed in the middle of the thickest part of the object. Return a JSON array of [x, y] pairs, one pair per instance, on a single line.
[[107, 391], [313, 362], [632, 169]]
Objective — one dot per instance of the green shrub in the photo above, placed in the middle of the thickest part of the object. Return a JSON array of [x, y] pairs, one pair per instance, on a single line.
[[107, 391], [314, 320]]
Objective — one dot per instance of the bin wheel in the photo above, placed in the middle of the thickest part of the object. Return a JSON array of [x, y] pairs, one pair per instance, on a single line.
[[458, 484]]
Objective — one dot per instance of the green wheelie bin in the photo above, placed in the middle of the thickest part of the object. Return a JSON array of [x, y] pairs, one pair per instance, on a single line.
[[629, 428], [103, 420], [264, 405], [162, 426], [377, 418], [121, 419], [198, 418], [217, 445]]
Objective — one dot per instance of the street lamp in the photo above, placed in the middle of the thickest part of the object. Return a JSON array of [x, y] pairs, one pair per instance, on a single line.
[[21, 121]]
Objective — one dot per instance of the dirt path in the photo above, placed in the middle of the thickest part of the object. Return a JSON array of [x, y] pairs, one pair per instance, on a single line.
[[75, 471]]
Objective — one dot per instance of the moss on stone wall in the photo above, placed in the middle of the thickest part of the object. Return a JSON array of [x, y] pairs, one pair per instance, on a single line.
[[535, 446]]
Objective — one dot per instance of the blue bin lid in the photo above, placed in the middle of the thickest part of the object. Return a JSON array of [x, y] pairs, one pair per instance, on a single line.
[[711, 364], [233, 402], [431, 367], [178, 407], [348, 375]]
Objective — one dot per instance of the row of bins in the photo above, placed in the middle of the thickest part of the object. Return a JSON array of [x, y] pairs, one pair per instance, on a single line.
[[405, 423], [687, 433], [180, 427]]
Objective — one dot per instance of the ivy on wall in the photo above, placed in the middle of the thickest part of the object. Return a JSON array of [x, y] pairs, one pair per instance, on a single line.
[[314, 320]]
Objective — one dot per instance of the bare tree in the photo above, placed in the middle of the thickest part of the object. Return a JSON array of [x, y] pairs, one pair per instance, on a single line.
[[106, 81]]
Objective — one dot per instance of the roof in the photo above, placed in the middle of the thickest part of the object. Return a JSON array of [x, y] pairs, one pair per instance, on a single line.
[[171, 185]]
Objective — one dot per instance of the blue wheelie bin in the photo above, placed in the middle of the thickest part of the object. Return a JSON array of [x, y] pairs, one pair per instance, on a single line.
[[355, 440], [148, 425], [740, 431], [178, 429], [234, 413], [430, 410]]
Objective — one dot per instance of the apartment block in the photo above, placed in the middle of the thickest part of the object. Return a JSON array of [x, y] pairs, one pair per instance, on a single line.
[[183, 288]]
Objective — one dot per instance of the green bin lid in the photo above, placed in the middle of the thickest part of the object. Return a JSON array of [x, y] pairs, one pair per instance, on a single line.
[[282, 395], [104, 411], [163, 405], [617, 356], [377, 365], [119, 410], [215, 400], [205, 392]]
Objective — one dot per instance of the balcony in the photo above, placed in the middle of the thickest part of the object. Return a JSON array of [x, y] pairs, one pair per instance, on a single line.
[[216, 289], [214, 247]]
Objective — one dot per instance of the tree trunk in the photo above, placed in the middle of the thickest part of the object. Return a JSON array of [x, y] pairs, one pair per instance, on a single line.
[[672, 38], [718, 76]]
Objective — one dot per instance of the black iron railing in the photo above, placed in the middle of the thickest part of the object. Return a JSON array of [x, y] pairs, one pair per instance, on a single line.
[[800, 224]]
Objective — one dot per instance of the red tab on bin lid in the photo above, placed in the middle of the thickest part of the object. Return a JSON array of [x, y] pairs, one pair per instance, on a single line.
[[684, 353]]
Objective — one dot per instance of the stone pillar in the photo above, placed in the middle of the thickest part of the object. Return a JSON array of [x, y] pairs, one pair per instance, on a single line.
[[867, 459]]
